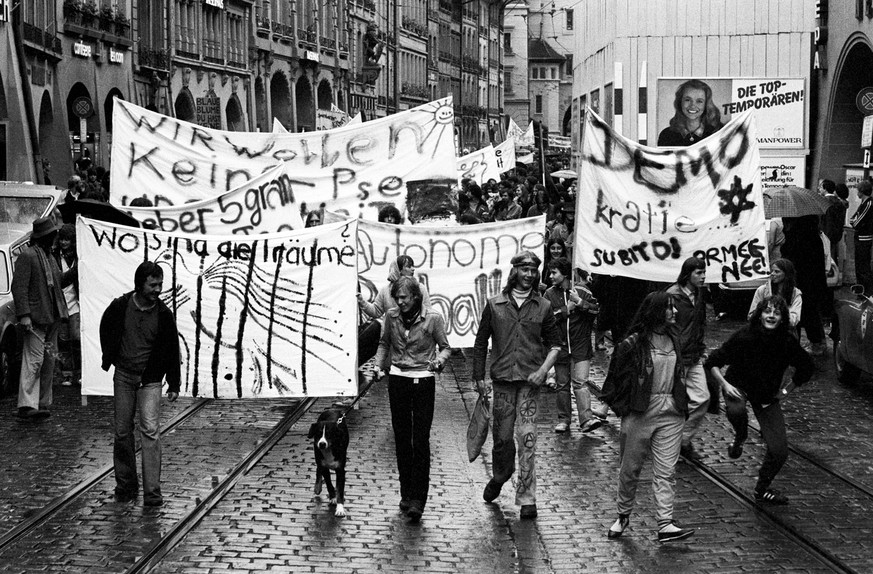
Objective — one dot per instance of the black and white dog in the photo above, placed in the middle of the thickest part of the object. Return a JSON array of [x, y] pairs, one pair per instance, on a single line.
[[331, 442]]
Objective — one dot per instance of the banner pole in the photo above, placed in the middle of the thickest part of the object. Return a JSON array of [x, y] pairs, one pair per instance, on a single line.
[[542, 154]]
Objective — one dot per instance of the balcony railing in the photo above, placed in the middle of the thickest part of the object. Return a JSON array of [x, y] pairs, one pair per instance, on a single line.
[[158, 59], [306, 36], [328, 43], [187, 54], [42, 38], [414, 26]]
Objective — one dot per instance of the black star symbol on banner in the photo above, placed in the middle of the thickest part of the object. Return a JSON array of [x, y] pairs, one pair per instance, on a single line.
[[733, 201]]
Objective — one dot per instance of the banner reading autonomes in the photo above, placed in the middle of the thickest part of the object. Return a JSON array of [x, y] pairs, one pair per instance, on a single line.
[[261, 316], [642, 210]]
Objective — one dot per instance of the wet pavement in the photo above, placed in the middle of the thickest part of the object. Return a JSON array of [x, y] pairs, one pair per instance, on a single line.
[[272, 521]]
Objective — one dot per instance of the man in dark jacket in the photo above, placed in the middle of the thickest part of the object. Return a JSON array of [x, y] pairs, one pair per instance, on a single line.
[[40, 306], [138, 336], [525, 343], [862, 223], [689, 329]]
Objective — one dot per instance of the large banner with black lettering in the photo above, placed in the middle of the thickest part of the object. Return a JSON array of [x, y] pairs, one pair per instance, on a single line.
[[461, 266], [479, 166], [368, 165], [642, 210], [263, 316]]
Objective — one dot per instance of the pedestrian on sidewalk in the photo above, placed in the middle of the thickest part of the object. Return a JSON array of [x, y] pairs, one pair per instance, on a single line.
[[40, 306], [575, 309], [138, 336], [689, 328], [525, 343], [644, 387], [66, 258], [862, 223], [757, 356], [803, 247], [413, 347]]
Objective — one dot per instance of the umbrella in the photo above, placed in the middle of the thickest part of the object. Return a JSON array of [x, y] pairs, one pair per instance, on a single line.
[[565, 174], [793, 201], [96, 210]]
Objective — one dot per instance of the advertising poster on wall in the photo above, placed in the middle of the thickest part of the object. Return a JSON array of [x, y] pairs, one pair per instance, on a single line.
[[783, 171], [690, 109]]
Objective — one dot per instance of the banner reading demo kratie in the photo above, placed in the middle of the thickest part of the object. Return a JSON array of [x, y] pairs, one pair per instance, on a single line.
[[258, 316], [173, 161], [642, 210]]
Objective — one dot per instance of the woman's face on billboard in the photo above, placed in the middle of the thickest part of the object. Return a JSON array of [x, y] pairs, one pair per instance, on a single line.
[[693, 104]]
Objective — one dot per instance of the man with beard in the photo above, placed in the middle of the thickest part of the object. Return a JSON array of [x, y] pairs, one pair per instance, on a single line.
[[525, 343], [138, 335]]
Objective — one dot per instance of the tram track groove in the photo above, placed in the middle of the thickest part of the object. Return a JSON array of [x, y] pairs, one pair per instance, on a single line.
[[153, 556], [37, 519]]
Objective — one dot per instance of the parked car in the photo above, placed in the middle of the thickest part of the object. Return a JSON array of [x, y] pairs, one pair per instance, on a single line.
[[20, 205], [852, 333]]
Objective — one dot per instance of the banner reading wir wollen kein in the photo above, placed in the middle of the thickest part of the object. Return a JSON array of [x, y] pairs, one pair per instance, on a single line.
[[258, 316], [174, 161], [641, 211]]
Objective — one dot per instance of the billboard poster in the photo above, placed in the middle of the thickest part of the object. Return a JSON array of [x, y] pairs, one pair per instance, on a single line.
[[779, 105]]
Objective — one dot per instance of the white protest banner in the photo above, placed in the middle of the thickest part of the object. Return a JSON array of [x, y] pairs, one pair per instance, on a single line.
[[267, 204], [462, 266], [258, 317], [513, 131], [504, 155], [357, 119], [278, 128], [180, 161], [779, 106], [641, 211], [559, 142], [527, 138], [330, 119], [479, 166]]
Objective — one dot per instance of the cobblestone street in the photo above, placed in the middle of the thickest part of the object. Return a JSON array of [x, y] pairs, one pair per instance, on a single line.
[[270, 519]]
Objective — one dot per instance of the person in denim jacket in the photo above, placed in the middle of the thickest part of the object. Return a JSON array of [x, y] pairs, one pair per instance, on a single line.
[[525, 343]]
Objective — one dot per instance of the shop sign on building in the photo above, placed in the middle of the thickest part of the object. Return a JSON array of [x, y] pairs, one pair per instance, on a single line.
[[209, 111], [82, 50], [820, 36], [215, 3], [116, 57], [4, 10]]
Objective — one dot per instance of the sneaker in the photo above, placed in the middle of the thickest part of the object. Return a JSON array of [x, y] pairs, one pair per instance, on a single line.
[[416, 509], [770, 496], [736, 449], [672, 532], [619, 526], [600, 415], [688, 452], [721, 316], [528, 512], [591, 425], [404, 505], [492, 491], [562, 427], [66, 383]]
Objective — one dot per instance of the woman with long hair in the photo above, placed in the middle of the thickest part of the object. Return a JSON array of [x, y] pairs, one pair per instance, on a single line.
[[644, 387], [696, 117], [783, 282], [757, 356], [413, 347]]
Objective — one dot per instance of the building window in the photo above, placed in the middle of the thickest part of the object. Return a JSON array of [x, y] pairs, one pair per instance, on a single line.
[[507, 42], [539, 104], [507, 81], [534, 73], [569, 19], [568, 64], [554, 72]]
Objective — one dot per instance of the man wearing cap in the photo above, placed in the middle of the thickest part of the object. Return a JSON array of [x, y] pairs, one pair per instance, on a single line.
[[525, 344], [37, 292]]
